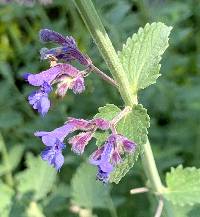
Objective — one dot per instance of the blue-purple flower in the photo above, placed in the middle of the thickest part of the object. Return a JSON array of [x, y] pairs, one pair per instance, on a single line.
[[53, 154], [54, 144], [108, 155], [64, 75], [68, 50], [54, 140], [39, 99]]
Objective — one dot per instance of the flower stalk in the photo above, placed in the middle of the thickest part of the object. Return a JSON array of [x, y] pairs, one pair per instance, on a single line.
[[99, 35], [103, 75]]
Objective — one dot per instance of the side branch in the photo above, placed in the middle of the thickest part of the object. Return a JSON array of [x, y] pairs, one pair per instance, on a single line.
[[103, 76]]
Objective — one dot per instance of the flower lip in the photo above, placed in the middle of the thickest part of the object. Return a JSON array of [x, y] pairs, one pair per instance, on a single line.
[[79, 141], [49, 138], [53, 154]]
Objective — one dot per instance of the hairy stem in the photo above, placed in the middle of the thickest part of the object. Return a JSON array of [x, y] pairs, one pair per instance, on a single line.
[[104, 76], [96, 28]]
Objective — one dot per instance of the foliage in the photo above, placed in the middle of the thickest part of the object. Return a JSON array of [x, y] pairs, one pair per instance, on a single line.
[[141, 55], [134, 127], [173, 103], [183, 186]]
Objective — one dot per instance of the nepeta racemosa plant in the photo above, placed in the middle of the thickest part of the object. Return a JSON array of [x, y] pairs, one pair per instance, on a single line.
[[62, 73], [121, 135]]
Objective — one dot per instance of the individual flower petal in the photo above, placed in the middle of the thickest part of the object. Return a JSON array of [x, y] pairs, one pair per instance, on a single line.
[[78, 85], [116, 158], [102, 159], [40, 102], [51, 74], [101, 123], [49, 138], [102, 176], [95, 157], [47, 35], [62, 87], [80, 124], [79, 141], [53, 154], [67, 52], [60, 53], [128, 145], [39, 99]]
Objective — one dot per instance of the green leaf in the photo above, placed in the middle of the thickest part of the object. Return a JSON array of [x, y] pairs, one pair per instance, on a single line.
[[134, 126], [186, 211], [6, 196], [38, 178], [15, 155], [34, 210], [141, 55], [86, 191], [183, 186], [100, 137]]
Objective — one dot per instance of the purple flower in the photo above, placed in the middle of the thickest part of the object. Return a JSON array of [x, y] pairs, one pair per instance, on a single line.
[[79, 141], [54, 144], [78, 85], [69, 50], [66, 77], [49, 138], [53, 154], [108, 155], [127, 145], [101, 158], [101, 123], [67, 82], [47, 35], [39, 99], [51, 75]]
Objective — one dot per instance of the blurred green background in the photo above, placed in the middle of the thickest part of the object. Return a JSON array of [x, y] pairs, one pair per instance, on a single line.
[[28, 186]]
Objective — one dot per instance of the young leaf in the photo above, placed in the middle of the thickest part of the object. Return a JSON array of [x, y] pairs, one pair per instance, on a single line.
[[38, 178], [141, 55], [183, 186], [134, 126], [86, 191]]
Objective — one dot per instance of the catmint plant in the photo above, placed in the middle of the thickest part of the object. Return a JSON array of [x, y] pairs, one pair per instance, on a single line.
[[66, 76], [121, 134]]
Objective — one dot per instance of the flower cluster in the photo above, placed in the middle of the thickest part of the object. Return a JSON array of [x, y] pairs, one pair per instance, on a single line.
[[66, 76], [63, 74], [105, 158]]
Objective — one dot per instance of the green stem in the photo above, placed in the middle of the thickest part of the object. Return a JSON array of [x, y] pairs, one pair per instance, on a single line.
[[96, 28], [113, 212], [8, 174]]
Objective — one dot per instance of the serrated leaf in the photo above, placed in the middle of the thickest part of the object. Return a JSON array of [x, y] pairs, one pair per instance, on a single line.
[[183, 186], [134, 126], [100, 137], [38, 178], [86, 191], [141, 55]]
